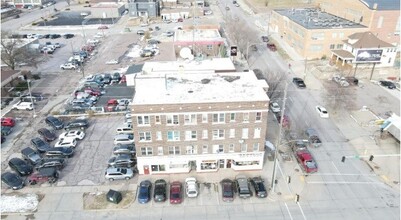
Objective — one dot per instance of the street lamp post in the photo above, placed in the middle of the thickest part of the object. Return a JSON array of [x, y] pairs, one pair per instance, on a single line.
[[30, 94]]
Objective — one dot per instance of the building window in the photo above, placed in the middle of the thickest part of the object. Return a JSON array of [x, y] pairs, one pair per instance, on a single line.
[[255, 147], [205, 149], [218, 118], [231, 148], [159, 135], [190, 135], [172, 119], [218, 134], [145, 136], [245, 133], [341, 35], [173, 135], [315, 47], [244, 148], [174, 150], [389, 60], [158, 168], [204, 118], [191, 149], [332, 46], [143, 120], [189, 119], [339, 46], [159, 150], [246, 117], [204, 134], [258, 116], [232, 133], [318, 36], [146, 151], [157, 119], [209, 47], [232, 116], [257, 133], [218, 148], [334, 35]]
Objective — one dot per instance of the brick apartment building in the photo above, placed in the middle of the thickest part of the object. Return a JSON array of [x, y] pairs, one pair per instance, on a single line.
[[199, 121]]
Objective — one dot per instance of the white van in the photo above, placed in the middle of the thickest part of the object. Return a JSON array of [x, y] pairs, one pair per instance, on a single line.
[[124, 139], [125, 129], [23, 106]]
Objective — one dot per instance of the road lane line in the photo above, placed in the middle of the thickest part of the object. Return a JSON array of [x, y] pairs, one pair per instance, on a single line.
[[286, 206], [341, 182], [302, 211], [338, 171]]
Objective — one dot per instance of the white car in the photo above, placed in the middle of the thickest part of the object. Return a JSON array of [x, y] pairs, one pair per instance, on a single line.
[[23, 106], [68, 66], [208, 12], [110, 62], [74, 134], [66, 142], [275, 107], [191, 188], [322, 111]]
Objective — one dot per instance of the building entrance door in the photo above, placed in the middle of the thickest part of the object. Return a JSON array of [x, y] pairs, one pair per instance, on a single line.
[[228, 164], [221, 163], [146, 170]]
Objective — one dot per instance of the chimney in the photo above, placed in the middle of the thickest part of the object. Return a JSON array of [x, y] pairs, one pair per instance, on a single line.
[[375, 6]]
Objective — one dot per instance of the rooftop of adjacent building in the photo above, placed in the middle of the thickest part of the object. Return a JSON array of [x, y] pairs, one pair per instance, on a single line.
[[366, 40], [197, 35], [382, 4], [107, 5], [313, 18], [199, 88]]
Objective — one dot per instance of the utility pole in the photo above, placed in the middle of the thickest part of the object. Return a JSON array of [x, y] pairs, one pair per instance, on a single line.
[[278, 140]]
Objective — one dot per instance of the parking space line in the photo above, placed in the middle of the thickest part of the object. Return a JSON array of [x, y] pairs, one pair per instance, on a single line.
[[288, 210]]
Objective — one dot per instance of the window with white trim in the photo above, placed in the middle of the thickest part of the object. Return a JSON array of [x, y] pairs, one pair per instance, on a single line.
[[245, 133], [172, 119], [218, 118], [204, 117], [191, 149], [143, 120], [218, 134], [258, 116], [232, 116], [159, 136], [190, 119], [231, 148], [232, 133], [145, 136], [218, 148], [256, 134], [190, 135], [209, 47], [157, 119], [205, 149], [255, 147], [173, 135], [244, 147], [245, 116], [159, 150], [174, 150], [204, 134], [146, 151]]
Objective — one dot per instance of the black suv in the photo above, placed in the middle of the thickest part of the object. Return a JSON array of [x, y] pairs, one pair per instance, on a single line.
[[160, 190], [54, 122], [60, 152], [31, 155], [299, 82], [58, 163], [260, 189], [388, 84], [78, 123], [41, 145], [21, 166]]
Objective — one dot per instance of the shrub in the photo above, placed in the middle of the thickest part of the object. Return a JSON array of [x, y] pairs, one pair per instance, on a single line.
[[34, 23], [324, 57], [35, 76], [21, 86]]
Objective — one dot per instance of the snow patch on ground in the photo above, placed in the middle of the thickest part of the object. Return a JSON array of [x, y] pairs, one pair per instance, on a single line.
[[135, 52], [19, 203]]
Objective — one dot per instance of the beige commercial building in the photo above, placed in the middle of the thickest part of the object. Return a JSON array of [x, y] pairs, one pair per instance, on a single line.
[[199, 121]]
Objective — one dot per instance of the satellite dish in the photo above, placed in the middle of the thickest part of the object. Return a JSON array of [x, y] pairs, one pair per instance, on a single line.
[[185, 53]]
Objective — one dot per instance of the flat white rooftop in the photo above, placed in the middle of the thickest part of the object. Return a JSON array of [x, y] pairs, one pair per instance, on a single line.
[[201, 35], [186, 66], [199, 88]]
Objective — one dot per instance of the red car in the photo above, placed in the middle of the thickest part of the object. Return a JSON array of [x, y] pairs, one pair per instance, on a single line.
[[272, 47], [88, 48], [123, 79], [175, 193], [93, 92], [111, 105], [103, 27], [306, 161], [180, 20], [8, 122]]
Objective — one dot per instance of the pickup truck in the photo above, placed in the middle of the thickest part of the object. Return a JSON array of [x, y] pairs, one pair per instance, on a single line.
[[304, 157]]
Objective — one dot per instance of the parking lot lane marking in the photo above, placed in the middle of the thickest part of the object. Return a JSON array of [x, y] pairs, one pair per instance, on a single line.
[[307, 124], [338, 171], [291, 100], [289, 213]]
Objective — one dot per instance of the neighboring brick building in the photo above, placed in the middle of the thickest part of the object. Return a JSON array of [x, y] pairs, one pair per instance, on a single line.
[[144, 8], [107, 10], [199, 121]]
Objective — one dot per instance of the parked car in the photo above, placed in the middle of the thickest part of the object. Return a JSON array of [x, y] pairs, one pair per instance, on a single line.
[[265, 39], [243, 187], [191, 187], [107, 78], [57, 163], [140, 32], [147, 53], [60, 152], [299, 82], [78, 123], [275, 107], [5, 130], [73, 134], [48, 174], [124, 149], [153, 41], [259, 186], [121, 160], [47, 134], [7, 121], [116, 78], [12, 180], [111, 104], [41, 145], [144, 191], [54, 122], [272, 47], [322, 111], [103, 27], [20, 166], [113, 61], [305, 160], [68, 36], [66, 142], [160, 191], [388, 84], [31, 155], [68, 66], [169, 33], [124, 139], [112, 174], [175, 192], [227, 186], [23, 106]]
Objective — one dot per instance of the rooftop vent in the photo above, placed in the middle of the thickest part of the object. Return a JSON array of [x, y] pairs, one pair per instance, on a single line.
[[231, 78], [205, 81], [190, 91]]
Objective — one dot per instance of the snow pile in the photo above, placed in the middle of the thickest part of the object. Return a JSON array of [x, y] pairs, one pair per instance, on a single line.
[[135, 52], [19, 203]]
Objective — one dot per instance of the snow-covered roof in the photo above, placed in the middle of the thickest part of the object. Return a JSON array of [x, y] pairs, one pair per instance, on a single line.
[[199, 35], [198, 88]]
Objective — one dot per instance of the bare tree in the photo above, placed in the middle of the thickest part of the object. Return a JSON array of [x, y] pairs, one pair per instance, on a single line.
[[13, 52], [276, 87], [338, 97], [239, 34]]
